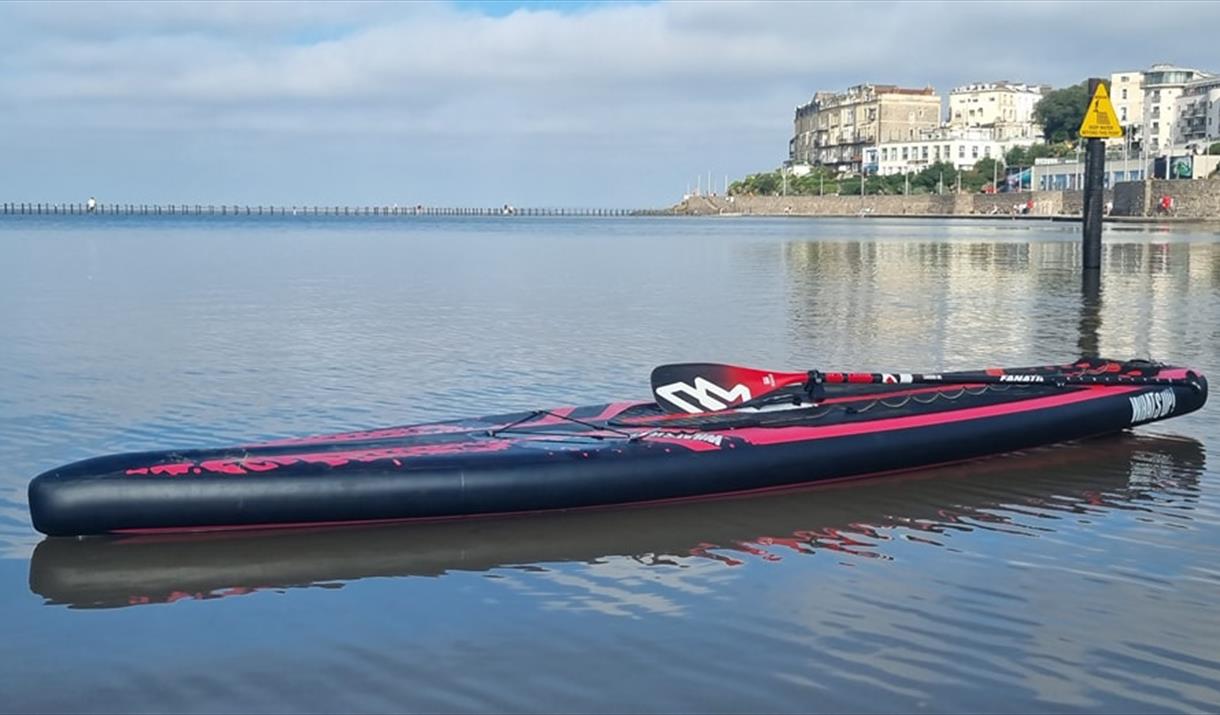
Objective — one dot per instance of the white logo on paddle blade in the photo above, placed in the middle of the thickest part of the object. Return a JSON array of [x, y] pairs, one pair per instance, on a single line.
[[709, 395]]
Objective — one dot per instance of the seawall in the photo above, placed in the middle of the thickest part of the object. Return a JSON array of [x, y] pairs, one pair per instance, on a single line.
[[1197, 199]]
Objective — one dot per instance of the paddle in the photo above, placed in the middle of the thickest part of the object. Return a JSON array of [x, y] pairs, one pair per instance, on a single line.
[[709, 387]]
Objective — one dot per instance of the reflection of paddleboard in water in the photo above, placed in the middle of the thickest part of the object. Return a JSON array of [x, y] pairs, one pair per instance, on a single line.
[[1102, 474], [91, 205]]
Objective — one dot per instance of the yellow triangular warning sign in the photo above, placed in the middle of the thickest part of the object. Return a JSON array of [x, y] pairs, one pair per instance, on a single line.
[[1100, 120]]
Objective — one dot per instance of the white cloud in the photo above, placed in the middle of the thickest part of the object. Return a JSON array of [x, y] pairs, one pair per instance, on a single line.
[[711, 83]]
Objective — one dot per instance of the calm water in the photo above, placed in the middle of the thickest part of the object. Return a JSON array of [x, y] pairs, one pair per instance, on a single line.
[[1077, 578]]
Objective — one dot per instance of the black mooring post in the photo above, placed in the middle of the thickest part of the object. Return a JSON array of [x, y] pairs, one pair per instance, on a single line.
[[1089, 341], [1094, 185]]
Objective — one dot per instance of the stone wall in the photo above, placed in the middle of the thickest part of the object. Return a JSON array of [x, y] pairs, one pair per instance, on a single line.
[[1073, 201], [1131, 198], [1045, 203], [1192, 199], [1199, 199], [923, 204]]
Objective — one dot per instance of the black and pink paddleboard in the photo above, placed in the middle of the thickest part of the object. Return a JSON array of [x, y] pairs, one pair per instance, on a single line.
[[728, 431]]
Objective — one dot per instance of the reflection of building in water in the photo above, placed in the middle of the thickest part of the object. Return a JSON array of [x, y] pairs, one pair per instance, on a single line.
[[1154, 289], [923, 305], [916, 305]]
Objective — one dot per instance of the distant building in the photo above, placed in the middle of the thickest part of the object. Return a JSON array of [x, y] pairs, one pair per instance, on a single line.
[[1197, 110], [961, 146], [1163, 84], [1008, 105], [835, 128], [1049, 174]]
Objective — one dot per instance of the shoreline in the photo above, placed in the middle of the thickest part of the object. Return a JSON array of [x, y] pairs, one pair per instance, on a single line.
[[1044, 218], [1134, 201]]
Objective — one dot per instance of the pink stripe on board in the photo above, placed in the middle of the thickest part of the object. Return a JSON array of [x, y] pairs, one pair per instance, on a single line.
[[554, 417], [781, 435], [614, 409], [245, 465], [693, 445]]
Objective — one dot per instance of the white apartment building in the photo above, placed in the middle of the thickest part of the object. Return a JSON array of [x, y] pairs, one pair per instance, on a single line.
[[960, 146], [1163, 85], [992, 103], [1127, 96], [1198, 115]]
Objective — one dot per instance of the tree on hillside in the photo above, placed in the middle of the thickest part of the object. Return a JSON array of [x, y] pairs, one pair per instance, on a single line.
[[930, 179], [819, 180], [1024, 156], [1061, 111], [772, 183], [764, 184], [985, 170]]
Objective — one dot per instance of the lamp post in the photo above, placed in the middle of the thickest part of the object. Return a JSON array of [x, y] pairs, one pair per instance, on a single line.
[[1126, 152], [1079, 166], [1143, 153]]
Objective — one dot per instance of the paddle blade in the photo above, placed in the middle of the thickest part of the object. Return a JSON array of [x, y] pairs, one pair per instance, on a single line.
[[708, 387]]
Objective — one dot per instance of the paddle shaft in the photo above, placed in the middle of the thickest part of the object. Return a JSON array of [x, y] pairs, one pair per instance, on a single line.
[[880, 378], [710, 387]]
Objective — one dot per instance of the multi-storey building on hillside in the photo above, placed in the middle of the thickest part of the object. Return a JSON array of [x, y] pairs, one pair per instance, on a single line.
[[834, 128], [1127, 96], [995, 104], [1163, 85], [1197, 122]]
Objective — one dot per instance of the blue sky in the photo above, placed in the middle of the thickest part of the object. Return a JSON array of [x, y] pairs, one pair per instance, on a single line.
[[482, 103], [500, 8]]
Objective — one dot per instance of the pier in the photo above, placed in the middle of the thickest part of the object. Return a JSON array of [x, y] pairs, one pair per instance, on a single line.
[[124, 209]]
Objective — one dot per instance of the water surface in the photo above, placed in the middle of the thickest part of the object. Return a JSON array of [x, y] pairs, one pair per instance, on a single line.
[[1074, 578]]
